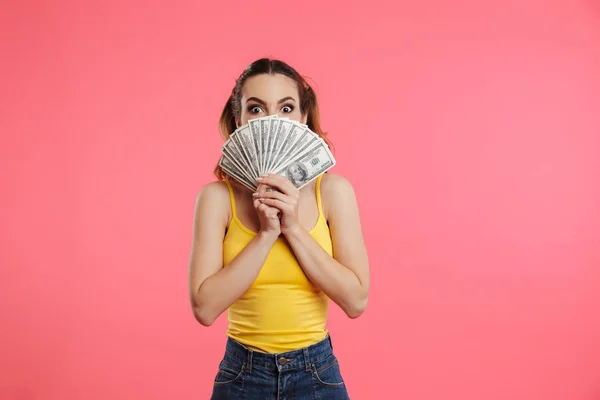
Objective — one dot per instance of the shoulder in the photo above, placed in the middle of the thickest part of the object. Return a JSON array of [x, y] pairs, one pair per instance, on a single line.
[[213, 197], [213, 191], [334, 185], [336, 193]]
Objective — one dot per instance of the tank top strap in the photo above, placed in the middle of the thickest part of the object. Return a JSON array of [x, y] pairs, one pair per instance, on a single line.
[[232, 200], [318, 194]]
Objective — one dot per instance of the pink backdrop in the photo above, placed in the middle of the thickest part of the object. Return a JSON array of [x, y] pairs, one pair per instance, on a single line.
[[471, 132]]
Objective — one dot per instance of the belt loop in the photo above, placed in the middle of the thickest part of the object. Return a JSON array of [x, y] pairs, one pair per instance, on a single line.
[[330, 342], [306, 359], [249, 361]]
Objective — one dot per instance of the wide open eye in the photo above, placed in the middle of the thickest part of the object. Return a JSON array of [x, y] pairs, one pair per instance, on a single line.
[[254, 109], [287, 108]]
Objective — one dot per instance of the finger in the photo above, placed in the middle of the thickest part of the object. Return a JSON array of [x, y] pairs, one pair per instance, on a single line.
[[256, 203], [285, 184], [266, 209], [272, 181], [272, 195], [279, 182], [263, 208], [280, 205], [265, 189]]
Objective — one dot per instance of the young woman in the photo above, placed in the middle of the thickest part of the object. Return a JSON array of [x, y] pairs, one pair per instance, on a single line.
[[274, 258]]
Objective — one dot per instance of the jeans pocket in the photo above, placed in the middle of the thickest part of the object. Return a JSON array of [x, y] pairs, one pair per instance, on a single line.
[[229, 372], [327, 372]]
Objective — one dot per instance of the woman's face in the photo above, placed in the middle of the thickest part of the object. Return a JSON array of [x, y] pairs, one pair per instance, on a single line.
[[267, 94]]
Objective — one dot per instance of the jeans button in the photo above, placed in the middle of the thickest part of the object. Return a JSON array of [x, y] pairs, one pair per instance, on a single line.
[[282, 361]]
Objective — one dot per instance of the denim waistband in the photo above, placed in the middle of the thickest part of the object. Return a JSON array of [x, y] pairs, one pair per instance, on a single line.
[[295, 359]]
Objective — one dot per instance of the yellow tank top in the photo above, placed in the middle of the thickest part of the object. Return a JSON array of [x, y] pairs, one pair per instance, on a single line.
[[282, 310]]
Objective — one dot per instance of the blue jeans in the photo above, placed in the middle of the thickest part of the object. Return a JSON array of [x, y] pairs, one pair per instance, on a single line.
[[310, 373]]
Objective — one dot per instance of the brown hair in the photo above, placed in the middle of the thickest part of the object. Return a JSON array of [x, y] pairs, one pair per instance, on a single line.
[[308, 100]]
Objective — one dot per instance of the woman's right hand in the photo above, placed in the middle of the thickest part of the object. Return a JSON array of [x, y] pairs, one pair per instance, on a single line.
[[268, 216]]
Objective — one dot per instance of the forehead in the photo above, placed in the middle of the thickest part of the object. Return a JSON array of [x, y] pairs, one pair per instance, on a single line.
[[269, 87]]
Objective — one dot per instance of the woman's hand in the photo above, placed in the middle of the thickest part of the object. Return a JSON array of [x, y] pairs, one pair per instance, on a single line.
[[268, 217], [283, 196]]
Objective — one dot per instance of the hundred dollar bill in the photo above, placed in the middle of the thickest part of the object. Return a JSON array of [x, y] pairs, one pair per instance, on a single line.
[[273, 129], [279, 138], [232, 150], [294, 133], [234, 158], [256, 136], [231, 170], [247, 144], [228, 164], [306, 142], [302, 170], [236, 143], [297, 137], [265, 125]]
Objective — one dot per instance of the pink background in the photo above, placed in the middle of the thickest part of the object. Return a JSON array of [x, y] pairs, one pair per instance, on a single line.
[[470, 129]]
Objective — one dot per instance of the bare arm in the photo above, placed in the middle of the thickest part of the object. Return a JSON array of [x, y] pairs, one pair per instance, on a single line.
[[213, 287], [344, 278]]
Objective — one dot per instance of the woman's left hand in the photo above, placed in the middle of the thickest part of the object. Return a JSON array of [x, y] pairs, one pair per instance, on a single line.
[[283, 196]]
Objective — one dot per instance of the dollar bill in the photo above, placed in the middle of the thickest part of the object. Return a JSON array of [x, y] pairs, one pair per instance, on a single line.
[[237, 148], [273, 129], [247, 144], [307, 167], [306, 142], [232, 150], [234, 158], [294, 133], [256, 136], [230, 169], [275, 145], [280, 137], [265, 124]]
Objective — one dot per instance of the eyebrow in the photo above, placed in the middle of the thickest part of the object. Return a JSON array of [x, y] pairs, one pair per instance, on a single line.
[[256, 99]]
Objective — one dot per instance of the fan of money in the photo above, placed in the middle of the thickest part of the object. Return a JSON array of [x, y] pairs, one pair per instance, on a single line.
[[274, 145]]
